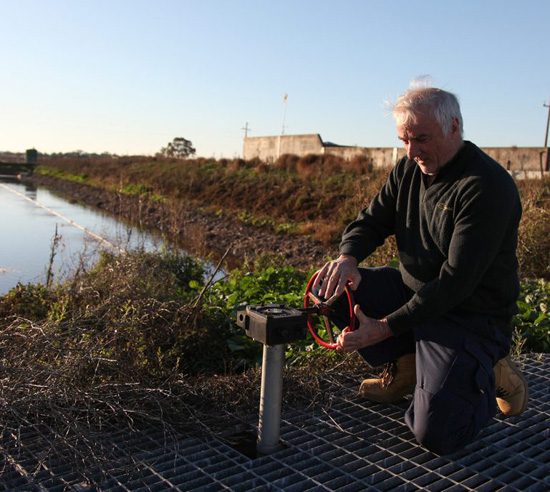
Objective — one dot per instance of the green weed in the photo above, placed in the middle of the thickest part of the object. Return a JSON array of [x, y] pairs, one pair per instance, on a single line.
[[532, 323]]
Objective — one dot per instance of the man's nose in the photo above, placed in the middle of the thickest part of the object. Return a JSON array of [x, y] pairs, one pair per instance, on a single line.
[[412, 150]]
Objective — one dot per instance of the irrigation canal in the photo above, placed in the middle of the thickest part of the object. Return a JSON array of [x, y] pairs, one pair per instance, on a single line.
[[33, 217]]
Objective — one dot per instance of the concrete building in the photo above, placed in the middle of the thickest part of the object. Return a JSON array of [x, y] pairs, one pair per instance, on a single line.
[[518, 160]]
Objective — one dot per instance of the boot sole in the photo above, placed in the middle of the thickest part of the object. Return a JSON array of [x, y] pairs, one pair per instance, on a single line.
[[396, 398], [524, 381]]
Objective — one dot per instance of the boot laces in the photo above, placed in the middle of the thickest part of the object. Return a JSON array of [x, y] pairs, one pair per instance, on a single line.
[[388, 374], [501, 392]]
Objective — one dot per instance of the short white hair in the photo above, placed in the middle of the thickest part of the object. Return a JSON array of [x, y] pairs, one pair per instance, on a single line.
[[421, 98]]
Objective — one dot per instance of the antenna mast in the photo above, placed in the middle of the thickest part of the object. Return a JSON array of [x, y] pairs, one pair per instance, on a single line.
[[284, 113], [547, 166]]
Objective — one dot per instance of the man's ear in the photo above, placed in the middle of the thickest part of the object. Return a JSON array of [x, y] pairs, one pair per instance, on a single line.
[[455, 127]]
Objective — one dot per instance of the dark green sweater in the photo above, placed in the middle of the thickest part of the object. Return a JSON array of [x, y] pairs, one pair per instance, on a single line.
[[457, 238]]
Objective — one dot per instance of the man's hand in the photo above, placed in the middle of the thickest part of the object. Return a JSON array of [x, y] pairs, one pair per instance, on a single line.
[[333, 277], [370, 332]]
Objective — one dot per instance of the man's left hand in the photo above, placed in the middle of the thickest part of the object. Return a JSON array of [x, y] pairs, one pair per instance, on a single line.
[[370, 332]]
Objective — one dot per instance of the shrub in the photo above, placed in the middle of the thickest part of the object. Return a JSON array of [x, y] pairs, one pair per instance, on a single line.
[[30, 301], [308, 165], [236, 164], [287, 162], [141, 310], [532, 323], [360, 164], [262, 168], [333, 164], [533, 244]]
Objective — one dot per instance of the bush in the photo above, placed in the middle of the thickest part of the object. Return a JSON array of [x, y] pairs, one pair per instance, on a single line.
[[308, 166], [236, 164], [533, 244], [143, 305], [333, 164], [287, 162], [360, 164], [532, 323], [30, 301]]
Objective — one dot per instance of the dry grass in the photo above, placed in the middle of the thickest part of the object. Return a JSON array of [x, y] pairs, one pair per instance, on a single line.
[[72, 400], [100, 357], [123, 348], [319, 194], [534, 246]]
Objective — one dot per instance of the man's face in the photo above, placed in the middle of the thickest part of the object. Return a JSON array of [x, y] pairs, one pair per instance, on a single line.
[[427, 145]]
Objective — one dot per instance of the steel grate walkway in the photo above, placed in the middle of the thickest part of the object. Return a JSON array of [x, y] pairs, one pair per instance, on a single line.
[[354, 446]]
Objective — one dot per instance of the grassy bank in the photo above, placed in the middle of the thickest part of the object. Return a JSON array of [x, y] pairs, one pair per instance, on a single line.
[[308, 196], [155, 320], [312, 195], [147, 338], [141, 339]]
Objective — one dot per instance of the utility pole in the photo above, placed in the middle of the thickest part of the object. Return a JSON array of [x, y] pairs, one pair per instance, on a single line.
[[246, 130], [547, 166]]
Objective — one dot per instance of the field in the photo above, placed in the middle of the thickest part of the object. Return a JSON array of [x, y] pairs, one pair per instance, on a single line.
[[143, 335], [312, 196]]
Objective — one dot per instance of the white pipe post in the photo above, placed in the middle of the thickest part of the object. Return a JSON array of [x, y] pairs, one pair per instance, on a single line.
[[270, 399]]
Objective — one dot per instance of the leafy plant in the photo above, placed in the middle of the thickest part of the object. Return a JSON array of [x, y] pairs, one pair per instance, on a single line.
[[532, 323], [31, 301], [263, 282]]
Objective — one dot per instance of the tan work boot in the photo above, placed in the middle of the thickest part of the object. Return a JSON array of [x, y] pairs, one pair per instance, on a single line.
[[397, 380], [512, 391]]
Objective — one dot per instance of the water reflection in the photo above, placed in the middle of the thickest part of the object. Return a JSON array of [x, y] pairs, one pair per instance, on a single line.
[[28, 226]]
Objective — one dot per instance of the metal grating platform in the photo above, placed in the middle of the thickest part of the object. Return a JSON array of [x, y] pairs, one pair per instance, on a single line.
[[355, 446]]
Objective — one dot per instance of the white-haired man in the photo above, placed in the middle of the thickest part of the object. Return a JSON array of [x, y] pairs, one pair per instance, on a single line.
[[441, 323]]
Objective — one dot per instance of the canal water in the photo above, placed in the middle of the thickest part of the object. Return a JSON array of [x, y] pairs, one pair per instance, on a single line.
[[33, 216]]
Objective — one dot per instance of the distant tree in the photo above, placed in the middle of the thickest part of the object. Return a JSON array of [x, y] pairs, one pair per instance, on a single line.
[[180, 148]]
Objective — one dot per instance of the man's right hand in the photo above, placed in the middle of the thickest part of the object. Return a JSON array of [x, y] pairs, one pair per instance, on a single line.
[[333, 277]]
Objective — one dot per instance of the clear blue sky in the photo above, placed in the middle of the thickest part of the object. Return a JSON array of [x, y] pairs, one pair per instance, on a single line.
[[127, 76]]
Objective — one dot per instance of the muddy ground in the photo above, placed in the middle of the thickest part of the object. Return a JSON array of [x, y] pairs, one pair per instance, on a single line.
[[196, 231]]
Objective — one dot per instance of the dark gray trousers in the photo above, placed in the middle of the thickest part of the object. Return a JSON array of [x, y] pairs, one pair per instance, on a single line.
[[455, 355]]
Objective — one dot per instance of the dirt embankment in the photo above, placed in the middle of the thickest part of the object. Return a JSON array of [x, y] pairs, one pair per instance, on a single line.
[[195, 230]]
